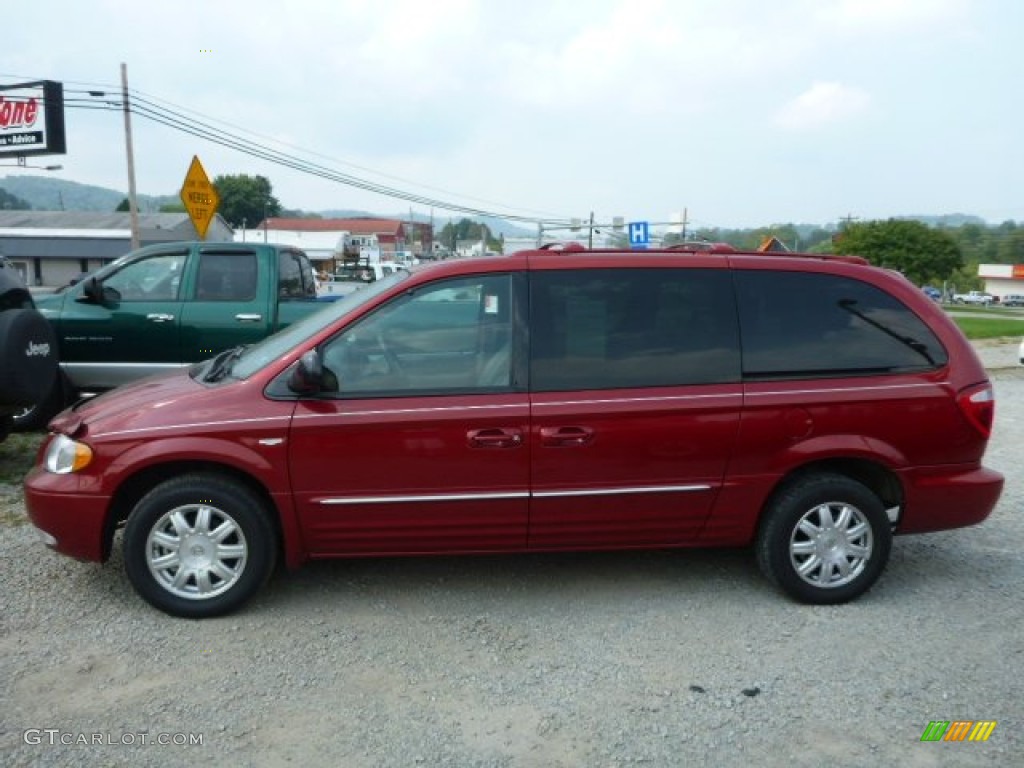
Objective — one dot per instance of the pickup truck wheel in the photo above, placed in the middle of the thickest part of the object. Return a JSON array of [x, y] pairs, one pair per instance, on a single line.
[[199, 546], [825, 539]]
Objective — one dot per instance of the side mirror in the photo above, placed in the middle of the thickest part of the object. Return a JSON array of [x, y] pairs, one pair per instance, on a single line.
[[308, 375], [92, 289], [96, 292]]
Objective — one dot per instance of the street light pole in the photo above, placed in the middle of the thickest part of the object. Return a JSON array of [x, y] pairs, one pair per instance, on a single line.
[[133, 206]]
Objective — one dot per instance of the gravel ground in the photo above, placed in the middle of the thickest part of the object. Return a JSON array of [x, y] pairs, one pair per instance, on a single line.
[[661, 658]]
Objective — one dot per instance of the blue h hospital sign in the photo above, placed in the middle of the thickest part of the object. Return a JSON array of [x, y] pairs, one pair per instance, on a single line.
[[639, 234]]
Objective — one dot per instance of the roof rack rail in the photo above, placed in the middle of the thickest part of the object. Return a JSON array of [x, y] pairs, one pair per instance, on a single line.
[[702, 246], [562, 247]]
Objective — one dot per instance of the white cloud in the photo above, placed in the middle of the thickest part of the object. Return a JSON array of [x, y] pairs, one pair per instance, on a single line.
[[894, 15], [821, 104], [625, 107]]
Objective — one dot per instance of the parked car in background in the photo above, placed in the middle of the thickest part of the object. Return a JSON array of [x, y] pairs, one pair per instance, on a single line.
[[932, 292], [548, 400], [978, 298], [355, 275], [1013, 300], [28, 349], [164, 307]]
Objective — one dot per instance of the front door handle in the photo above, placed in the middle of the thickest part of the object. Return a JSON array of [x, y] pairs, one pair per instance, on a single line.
[[495, 438], [248, 318], [566, 436], [160, 317]]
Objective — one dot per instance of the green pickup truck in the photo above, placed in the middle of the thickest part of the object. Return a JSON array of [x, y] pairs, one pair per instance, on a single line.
[[167, 306]]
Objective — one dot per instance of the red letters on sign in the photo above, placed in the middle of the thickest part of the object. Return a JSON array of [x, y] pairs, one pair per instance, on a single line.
[[15, 114]]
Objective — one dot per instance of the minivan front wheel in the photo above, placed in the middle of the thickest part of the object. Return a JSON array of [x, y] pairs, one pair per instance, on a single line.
[[199, 546], [825, 539]]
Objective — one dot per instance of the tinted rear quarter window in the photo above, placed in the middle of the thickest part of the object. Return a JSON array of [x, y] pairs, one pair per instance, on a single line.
[[613, 328], [799, 324]]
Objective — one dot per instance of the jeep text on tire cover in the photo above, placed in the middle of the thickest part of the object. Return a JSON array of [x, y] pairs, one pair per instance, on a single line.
[[28, 361]]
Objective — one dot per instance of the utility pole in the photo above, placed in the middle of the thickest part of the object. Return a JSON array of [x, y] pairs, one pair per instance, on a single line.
[[590, 241], [847, 219], [684, 225], [133, 206]]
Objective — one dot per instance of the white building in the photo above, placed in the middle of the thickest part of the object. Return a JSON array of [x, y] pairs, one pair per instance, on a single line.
[[1002, 279], [320, 246]]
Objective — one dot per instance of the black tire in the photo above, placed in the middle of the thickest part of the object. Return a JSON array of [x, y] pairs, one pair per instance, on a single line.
[[28, 356], [813, 561], [38, 416], [211, 582]]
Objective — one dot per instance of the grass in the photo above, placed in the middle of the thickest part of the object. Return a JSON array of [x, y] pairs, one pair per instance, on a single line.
[[998, 311], [989, 328], [17, 454]]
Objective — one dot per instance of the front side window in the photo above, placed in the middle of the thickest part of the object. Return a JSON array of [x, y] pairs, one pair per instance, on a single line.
[[447, 337], [806, 324], [154, 278], [613, 328]]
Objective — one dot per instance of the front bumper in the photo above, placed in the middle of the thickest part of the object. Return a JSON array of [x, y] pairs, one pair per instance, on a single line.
[[75, 520]]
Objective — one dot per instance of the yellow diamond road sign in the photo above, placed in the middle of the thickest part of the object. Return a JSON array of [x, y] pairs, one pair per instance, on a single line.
[[200, 197]]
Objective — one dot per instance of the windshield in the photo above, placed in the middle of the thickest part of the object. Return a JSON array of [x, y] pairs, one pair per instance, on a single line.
[[271, 348]]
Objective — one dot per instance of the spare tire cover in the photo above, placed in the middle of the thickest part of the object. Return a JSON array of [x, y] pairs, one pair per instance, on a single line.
[[28, 357]]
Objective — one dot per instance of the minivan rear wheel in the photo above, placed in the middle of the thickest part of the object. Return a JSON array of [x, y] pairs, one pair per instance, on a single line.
[[199, 545], [825, 539]]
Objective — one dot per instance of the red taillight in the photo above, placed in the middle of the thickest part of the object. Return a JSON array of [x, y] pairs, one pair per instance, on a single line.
[[979, 406]]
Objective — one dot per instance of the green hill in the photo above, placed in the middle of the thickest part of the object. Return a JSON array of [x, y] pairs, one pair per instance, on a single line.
[[45, 193]]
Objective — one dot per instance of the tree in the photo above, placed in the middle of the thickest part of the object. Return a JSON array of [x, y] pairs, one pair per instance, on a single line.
[[246, 200], [124, 206], [922, 254], [1011, 248], [9, 202], [467, 230]]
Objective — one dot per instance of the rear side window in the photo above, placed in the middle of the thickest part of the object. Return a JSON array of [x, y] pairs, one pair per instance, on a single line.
[[229, 276], [803, 324], [613, 328]]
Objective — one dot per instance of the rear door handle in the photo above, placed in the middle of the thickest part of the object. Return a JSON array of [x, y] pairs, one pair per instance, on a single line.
[[495, 438], [566, 436], [248, 318], [160, 317]]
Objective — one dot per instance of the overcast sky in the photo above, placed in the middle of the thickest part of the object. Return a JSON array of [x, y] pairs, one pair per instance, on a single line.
[[744, 112]]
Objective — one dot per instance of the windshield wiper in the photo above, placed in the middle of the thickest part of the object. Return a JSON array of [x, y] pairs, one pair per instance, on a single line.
[[221, 365], [918, 346]]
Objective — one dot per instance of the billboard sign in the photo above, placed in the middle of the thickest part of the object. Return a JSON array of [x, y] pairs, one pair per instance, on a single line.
[[32, 119]]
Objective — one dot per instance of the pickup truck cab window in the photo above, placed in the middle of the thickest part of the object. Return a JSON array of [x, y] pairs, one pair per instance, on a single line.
[[157, 278], [226, 276], [294, 276]]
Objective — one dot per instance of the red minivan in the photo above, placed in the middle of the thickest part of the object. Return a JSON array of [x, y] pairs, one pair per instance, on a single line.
[[550, 400]]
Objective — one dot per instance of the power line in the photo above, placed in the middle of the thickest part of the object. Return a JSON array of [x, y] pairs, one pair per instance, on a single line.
[[153, 111]]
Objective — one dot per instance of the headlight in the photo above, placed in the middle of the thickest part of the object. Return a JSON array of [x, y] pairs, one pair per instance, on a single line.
[[65, 455]]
